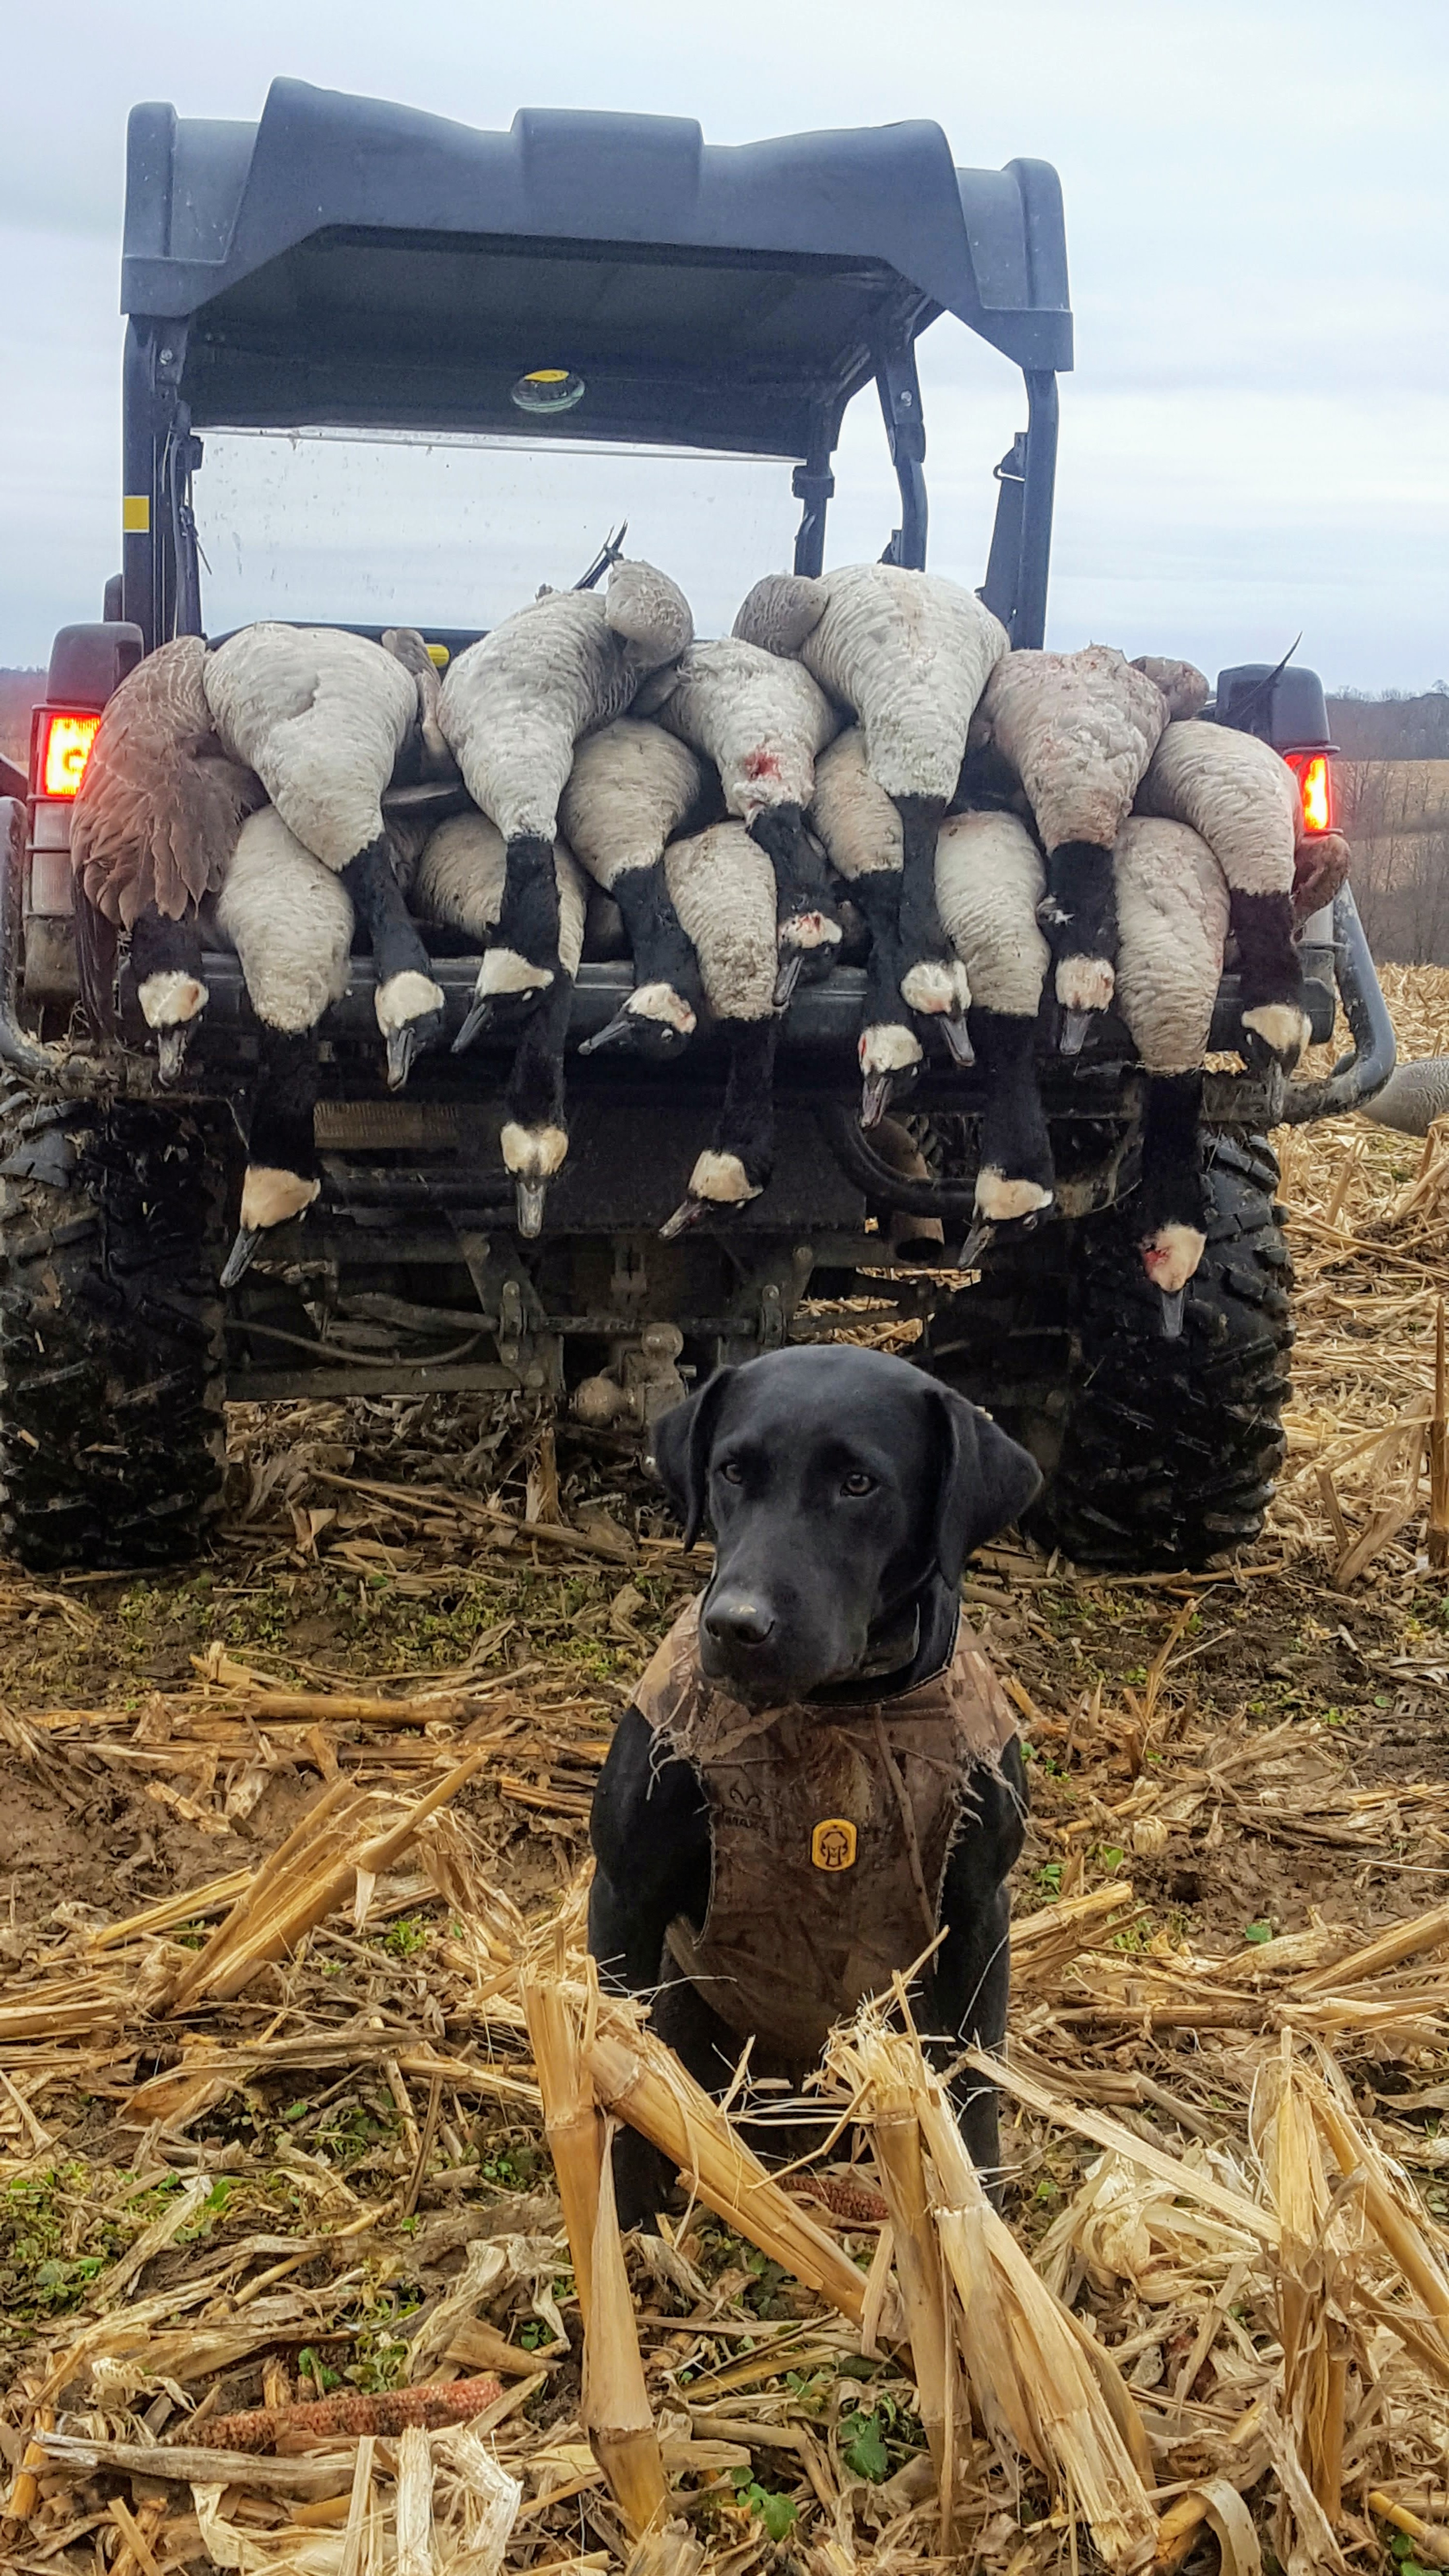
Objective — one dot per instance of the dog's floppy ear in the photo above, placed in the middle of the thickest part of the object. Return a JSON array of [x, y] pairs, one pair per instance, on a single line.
[[986, 1481], [681, 1442]]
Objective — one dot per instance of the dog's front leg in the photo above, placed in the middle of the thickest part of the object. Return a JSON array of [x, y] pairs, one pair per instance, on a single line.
[[967, 1994], [650, 1833]]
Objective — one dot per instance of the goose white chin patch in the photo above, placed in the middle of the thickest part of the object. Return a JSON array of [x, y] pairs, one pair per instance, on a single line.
[[999, 1200], [170, 999], [931, 985], [1281, 1026], [1085, 983], [504, 971], [810, 930], [1171, 1255], [721, 1178], [533, 1153], [661, 1002], [888, 1047], [271, 1197], [405, 997]]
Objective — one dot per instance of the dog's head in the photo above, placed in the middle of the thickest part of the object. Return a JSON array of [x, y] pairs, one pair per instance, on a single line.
[[839, 1483]]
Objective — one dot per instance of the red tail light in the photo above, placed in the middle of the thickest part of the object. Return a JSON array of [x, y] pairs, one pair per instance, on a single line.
[[61, 748], [1315, 792]]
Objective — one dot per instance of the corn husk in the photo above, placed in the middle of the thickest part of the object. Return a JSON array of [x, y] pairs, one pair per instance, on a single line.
[[643, 2082], [616, 2412], [1034, 2390], [896, 2139], [572, 2125]]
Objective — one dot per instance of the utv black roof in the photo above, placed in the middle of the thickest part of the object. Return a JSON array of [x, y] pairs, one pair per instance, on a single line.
[[345, 263], [348, 261]]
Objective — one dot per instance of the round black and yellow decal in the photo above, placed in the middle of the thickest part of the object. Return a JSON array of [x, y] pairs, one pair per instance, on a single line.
[[545, 390], [832, 1844]]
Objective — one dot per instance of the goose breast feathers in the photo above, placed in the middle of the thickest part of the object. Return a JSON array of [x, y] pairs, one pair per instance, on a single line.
[[160, 803], [1235, 791], [909, 651], [989, 882], [1172, 926], [290, 923], [761, 720], [1079, 730], [723, 888], [516, 702], [461, 876], [321, 716], [854, 816], [630, 787]]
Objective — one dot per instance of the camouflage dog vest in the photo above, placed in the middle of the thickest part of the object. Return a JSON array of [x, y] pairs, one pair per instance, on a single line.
[[831, 1828]]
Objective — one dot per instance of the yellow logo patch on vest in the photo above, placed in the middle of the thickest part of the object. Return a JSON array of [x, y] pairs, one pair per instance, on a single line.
[[832, 1844]]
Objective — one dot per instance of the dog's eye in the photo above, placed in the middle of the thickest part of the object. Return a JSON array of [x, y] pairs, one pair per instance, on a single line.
[[858, 1483], [732, 1474]]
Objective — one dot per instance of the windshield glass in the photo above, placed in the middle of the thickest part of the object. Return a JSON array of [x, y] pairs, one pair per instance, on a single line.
[[377, 530]]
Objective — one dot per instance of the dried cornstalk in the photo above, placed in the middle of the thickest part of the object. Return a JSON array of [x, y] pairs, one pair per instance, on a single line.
[[571, 2120], [1440, 1454], [1035, 2389], [1314, 2366], [615, 2411], [311, 1873], [643, 2083], [414, 2504], [896, 2138], [1356, 2154]]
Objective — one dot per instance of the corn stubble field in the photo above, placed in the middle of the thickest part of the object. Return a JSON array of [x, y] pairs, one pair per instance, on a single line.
[[304, 2086]]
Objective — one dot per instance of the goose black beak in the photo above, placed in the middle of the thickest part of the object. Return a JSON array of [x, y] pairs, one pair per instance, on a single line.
[[787, 976], [978, 1241], [1173, 1301], [171, 1047], [242, 1254], [1073, 1034], [621, 1031], [875, 1098], [957, 1037], [688, 1213], [528, 1199], [474, 1025], [402, 1046]]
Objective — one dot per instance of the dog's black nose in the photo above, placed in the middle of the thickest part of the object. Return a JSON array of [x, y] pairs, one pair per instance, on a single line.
[[734, 1619]]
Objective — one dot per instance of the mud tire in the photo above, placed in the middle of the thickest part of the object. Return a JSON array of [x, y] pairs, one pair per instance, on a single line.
[[112, 1373], [1158, 1455]]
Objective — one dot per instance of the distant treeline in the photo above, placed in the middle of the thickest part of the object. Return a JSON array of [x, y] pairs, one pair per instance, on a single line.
[[1392, 726]]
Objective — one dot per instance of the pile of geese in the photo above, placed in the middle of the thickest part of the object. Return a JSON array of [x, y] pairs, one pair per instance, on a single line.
[[1029, 839]]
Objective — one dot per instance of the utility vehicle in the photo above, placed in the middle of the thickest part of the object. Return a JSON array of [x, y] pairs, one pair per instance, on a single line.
[[393, 291]]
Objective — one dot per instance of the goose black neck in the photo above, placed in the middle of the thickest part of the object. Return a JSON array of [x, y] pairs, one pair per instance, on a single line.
[[390, 932], [800, 884], [662, 951], [282, 1133], [1174, 1191], [528, 921], [746, 1125], [1080, 915], [535, 1093], [921, 932], [162, 947], [1014, 1137], [1269, 967]]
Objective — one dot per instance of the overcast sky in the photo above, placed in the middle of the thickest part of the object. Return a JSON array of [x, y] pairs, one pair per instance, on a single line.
[[1256, 439]]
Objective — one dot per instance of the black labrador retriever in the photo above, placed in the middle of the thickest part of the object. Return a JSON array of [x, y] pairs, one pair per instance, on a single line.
[[827, 1669]]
